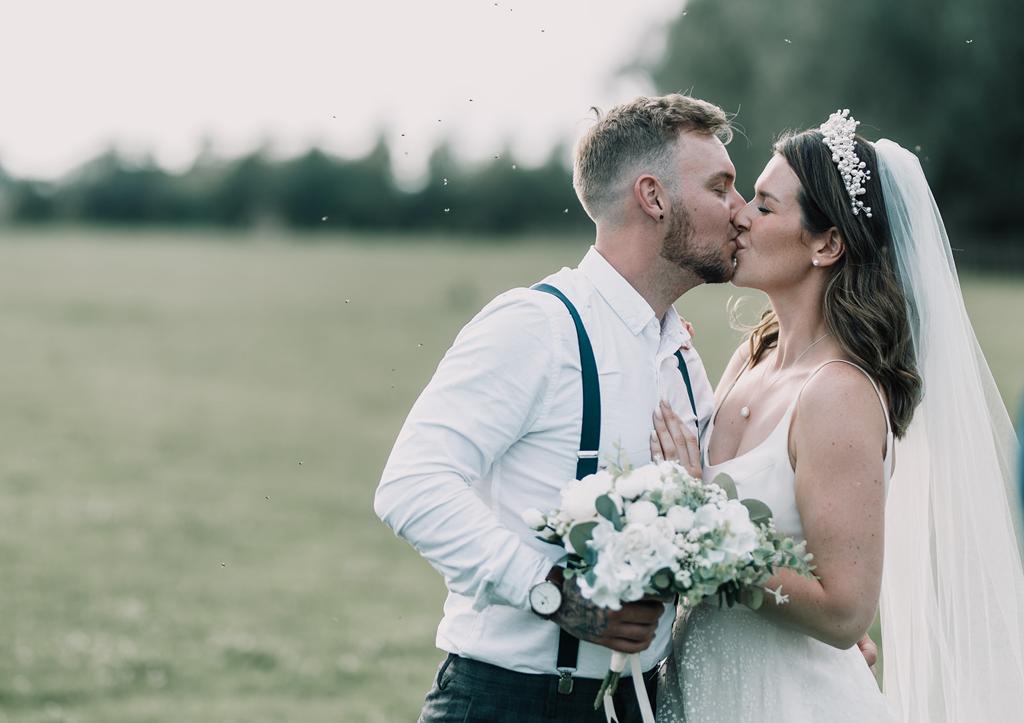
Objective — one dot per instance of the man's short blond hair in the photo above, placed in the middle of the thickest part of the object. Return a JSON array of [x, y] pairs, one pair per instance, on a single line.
[[639, 137]]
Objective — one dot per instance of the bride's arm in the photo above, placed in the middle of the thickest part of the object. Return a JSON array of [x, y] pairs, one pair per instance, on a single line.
[[838, 441]]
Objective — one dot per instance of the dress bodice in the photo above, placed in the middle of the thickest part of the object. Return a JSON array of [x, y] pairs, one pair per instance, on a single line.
[[765, 472]]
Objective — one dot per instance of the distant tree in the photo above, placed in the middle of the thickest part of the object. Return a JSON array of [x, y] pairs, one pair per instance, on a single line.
[[943, 78]]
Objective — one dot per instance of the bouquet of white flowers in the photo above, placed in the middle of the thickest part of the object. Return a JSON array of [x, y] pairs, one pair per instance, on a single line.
[[655, 530]]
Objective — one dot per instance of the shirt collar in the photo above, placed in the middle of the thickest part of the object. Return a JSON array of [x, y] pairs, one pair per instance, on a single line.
[[626, 301]]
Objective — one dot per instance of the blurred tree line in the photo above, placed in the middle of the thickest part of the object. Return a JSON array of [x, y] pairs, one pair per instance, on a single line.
[[315, 190], [942, 77]]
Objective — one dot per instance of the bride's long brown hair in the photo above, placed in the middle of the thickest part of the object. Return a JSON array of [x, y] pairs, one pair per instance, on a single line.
[[865, 308]]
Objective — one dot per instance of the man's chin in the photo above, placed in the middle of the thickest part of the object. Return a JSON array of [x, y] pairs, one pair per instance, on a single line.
[[717, 274]]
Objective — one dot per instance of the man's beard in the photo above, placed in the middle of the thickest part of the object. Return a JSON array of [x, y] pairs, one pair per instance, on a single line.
[[676, 247]]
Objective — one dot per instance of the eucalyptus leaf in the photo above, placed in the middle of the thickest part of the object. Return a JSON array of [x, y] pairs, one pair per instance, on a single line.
[[607, 508], [580, 535], [760, 513], [726, 483]]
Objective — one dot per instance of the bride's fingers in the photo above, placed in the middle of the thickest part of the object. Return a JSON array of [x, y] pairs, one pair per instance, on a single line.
[[684, 439], [692, 448], [668, 445], [656, 453]]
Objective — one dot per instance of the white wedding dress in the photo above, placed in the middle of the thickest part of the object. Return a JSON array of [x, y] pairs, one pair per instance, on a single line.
[[735, 665]]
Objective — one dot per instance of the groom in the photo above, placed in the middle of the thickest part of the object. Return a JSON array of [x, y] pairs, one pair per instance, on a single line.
[[498, 428]]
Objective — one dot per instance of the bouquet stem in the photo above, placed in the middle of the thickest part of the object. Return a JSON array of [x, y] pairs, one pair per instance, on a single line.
[[611, 680]]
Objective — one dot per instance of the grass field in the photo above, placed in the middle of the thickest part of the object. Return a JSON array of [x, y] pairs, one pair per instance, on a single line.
[[193, 429]]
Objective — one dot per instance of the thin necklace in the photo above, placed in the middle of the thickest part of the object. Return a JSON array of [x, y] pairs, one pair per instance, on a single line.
[[745, 410]]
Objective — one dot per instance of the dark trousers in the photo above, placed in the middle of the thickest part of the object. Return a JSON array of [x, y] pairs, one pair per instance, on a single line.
[[468, 691]]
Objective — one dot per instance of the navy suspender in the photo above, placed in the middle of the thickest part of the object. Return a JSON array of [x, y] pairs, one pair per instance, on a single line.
[[689, 390], [587, 457], [590, 435], [586, 463]]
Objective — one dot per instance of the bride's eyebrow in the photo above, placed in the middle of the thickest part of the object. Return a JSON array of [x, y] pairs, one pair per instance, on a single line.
[[765, 194]]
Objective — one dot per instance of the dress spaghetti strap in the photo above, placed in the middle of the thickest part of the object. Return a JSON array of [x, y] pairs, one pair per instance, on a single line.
[[874, 385]]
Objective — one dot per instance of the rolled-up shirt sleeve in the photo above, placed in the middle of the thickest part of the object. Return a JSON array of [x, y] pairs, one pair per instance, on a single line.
[[493, 384]]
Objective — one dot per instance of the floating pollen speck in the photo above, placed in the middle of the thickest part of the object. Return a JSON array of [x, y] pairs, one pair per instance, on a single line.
[[513, 166], [969, 42], [788, 41], [445, 181], [447, 210], [565, 211], [324, 218]]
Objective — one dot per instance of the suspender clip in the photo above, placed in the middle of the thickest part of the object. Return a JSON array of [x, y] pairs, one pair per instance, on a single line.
[[565, 680], [587, 455]]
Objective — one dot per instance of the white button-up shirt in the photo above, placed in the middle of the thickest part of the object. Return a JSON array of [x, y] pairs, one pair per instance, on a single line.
[[497, 430]]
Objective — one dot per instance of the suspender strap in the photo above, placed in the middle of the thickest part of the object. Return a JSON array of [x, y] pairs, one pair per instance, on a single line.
[[590, 433], [689, 389], [586, 463]]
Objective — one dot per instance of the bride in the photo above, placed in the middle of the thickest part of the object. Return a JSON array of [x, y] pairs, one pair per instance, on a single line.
[[867, 342]]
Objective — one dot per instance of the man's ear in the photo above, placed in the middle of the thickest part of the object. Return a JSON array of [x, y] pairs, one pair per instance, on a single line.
[[650, 197], [830, 248]]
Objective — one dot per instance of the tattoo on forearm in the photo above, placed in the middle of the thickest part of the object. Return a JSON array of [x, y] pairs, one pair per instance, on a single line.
[[580, 617]]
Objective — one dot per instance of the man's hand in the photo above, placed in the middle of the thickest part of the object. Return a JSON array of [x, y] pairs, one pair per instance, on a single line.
[[629, 630], [869, 650]]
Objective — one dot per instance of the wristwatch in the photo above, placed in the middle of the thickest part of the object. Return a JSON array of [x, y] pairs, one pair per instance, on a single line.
[[546, 596]]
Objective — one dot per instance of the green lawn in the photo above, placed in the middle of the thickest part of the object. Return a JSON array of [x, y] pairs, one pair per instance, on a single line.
[[193, 431]]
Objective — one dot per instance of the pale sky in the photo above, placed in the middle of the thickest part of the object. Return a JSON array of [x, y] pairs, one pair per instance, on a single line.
[[79, 76]]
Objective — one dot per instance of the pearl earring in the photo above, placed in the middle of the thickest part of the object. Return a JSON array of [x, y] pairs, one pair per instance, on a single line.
[[814, 262]]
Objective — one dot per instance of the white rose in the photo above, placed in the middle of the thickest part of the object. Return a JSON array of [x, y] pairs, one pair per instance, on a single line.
[[742, 537], [709, 516], [670, 467], [629, 486], [641, 513], [602, 478], [681, 518], [579, 499], [640, 480], [534, 518]]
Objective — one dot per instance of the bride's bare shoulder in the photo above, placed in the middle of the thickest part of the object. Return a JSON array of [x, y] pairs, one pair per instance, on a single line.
[[840, 400]]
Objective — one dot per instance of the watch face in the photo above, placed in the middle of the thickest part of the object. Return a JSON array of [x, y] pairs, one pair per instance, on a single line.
[[545, 598]]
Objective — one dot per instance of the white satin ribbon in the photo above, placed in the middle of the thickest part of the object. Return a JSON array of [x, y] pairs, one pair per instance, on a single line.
[[646, 712]]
